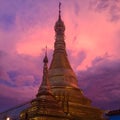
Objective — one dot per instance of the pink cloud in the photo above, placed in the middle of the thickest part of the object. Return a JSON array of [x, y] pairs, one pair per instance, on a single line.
[[35, 32], [31, 27], [100, 82]]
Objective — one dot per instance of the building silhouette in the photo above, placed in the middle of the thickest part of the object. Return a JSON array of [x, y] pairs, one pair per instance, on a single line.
[[114, 114], [59, 96]]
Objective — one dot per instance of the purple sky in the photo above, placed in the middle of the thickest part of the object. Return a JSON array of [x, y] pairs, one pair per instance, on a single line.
[[92, 39]]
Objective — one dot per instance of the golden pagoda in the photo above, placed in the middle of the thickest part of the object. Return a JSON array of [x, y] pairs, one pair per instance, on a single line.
[[59, 96], [44, 106], [64, 83]]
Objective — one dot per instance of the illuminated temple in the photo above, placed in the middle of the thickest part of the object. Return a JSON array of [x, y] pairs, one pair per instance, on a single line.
[[59, 96]]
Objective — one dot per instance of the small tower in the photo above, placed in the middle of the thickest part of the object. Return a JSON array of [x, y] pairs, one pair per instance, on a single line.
[[44, 106]]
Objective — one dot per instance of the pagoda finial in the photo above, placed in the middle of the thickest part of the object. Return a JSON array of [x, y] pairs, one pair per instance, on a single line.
[[46, 58], [46, 51], [59, 10], [45, 68]]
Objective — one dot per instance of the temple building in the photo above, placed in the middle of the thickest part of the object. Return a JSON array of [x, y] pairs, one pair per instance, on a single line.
[[59, 96], [64, 99]]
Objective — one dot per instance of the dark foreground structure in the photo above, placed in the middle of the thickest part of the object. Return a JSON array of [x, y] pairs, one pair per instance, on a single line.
[[114, 115], [59, 96]]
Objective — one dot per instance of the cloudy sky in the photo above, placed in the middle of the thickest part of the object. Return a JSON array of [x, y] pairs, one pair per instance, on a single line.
[[92, 40]]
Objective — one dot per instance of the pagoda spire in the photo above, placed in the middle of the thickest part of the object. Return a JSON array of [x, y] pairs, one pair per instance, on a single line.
[[44, 106], [45, 87], [59, 10], [60, 65], [59, 45]]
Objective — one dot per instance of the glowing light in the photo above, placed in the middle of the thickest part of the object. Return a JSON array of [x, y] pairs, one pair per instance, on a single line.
[[8, 118]]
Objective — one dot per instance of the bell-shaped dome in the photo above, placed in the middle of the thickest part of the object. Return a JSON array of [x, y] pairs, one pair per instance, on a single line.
[[59, 25]]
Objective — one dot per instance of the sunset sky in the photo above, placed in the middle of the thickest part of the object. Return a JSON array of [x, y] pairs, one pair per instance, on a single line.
[[92, 39]]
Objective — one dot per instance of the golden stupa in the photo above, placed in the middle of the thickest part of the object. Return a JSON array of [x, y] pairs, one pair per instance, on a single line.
[[44, 106], [63, 99]]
